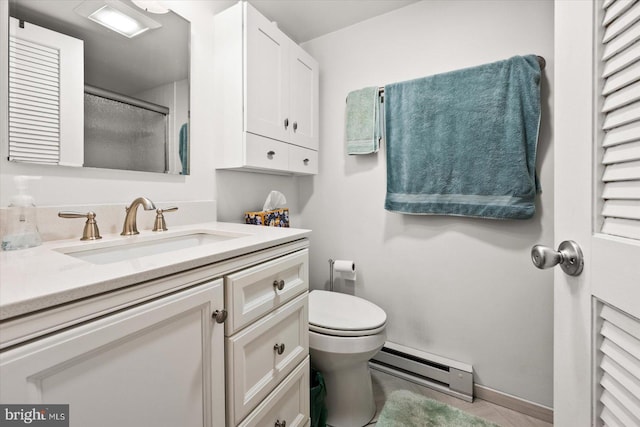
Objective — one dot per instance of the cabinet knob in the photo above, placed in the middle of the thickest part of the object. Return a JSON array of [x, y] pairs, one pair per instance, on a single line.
[[286, 123], [219, 316], [279, 423], [271, 153], [278, 348], [279, 285], [305, 161], [295, 126]]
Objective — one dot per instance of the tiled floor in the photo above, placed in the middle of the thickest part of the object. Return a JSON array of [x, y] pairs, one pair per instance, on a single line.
[[384, 384]]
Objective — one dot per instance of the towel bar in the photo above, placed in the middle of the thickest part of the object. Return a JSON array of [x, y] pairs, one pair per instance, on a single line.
[[541, 61]]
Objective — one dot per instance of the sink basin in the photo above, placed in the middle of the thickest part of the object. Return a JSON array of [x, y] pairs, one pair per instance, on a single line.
[[125, 250]]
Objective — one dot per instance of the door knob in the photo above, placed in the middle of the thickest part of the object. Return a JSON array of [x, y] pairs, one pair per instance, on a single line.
[[568, 255]]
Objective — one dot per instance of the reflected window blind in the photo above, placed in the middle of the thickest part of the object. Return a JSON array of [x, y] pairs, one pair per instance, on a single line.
[[34, 102], [621, 108], [620, 368]]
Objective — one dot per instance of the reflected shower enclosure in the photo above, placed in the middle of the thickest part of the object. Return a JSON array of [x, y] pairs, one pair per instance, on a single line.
[[123, 136], [126, 133]]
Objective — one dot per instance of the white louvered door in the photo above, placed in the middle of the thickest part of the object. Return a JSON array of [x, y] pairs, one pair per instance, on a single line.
[[621, 124], [618, 362], [597, 194], [46, 96], [34, 100]]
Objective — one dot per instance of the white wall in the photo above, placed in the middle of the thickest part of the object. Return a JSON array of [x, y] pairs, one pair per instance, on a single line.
[[246, 191], [458, 287]]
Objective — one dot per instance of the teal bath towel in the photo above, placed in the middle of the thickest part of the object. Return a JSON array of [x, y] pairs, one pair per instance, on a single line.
[[464, 142], [183, 149], [363, 121]]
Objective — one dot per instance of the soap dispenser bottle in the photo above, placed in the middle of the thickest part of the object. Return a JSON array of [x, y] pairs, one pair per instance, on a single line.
[[21, 228]]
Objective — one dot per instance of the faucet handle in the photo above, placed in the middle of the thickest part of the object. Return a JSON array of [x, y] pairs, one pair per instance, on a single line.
[[90, 231], [159, 224]]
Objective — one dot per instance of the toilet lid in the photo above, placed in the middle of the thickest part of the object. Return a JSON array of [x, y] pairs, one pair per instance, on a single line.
[[344, 315]]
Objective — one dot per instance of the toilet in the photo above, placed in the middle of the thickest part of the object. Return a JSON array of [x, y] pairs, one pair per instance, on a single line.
[[345, 331]]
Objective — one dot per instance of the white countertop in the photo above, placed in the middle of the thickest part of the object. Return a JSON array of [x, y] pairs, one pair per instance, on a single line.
[[42, 277]]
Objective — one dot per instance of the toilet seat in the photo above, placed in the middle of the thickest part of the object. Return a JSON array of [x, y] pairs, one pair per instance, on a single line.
[[337, 314]]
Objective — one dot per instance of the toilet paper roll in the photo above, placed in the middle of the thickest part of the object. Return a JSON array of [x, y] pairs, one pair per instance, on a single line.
[[346, 268]]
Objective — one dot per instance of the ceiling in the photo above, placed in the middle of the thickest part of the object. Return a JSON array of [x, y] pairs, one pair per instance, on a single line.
[[304, 20], [159, 57]]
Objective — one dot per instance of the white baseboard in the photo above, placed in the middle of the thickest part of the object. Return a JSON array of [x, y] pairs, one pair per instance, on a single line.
[[523, 406]]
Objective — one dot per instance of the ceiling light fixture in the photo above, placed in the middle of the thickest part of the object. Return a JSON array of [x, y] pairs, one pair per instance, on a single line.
[[118, 21], [151, 6], [117, 17]]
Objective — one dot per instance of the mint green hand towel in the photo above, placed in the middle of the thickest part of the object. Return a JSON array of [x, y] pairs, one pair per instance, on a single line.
[[464, 142], [363, 121]]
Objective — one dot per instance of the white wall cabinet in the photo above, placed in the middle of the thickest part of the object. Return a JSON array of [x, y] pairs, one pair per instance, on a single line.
[[158, 363], [266, 102]]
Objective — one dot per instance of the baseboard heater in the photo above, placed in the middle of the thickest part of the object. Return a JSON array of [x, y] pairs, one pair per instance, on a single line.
[[429, 370]]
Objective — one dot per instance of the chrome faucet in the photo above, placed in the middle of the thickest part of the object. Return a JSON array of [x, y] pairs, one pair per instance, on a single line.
[[130, 228]]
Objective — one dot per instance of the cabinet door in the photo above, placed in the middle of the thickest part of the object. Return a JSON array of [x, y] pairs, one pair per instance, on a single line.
[[266, 66], [304, 98], [157, 364]]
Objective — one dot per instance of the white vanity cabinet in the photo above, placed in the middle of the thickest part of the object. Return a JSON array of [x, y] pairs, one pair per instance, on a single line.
[[266, 96], [267, 344], [159, 363], [210, 344]]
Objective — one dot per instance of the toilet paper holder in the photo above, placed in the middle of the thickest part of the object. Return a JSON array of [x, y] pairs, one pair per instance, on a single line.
[[331, 263], [350, 265]]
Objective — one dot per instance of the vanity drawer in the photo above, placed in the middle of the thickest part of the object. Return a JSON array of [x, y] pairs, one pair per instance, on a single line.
[[266, 153], [263, 354], [303, 160], [254, 292], [288, 403]]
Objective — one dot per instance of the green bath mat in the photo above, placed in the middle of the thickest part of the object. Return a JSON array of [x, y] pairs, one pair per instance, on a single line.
[[406, 409]]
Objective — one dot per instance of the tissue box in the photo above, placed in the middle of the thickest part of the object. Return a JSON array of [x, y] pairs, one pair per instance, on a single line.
[[273, 218]]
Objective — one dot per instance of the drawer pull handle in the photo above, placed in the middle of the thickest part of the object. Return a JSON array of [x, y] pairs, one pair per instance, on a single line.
[[279, 285], [286, 123], [278, 348], [279, 423], [219, 316], [295, 126]]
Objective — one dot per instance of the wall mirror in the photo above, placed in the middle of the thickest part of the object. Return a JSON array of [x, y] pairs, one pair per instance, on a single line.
[[93, 92]]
